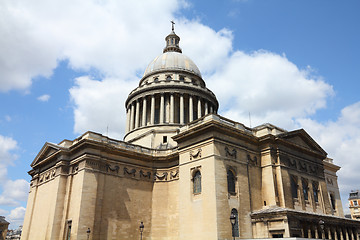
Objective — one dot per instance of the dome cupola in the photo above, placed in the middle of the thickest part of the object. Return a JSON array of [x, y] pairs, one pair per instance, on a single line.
[[170, 94]]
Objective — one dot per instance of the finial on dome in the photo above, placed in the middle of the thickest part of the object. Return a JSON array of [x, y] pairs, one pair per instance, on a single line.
[[172, 41], [172, 25]]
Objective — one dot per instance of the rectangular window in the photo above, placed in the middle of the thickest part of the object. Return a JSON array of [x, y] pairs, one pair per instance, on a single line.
[[68, 231], [355, 202], [316, 191], [305, 189], [294, 186], [164, 139]]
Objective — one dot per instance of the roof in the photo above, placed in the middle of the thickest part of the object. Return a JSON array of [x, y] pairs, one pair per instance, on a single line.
[[172, 61]]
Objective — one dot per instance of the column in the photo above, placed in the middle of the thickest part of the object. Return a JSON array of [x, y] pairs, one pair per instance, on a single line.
[[211, 109], [316, 230], [152, 113], [335, 233], [206, 108], [132, 116], [309, 232], [329, 233], [191, 111], [341, 234], [172, 108], [137, 114], [346, 234], [127, 120], [181, 109], [199, 108], [351, 236], [144, 112], [162, 108]]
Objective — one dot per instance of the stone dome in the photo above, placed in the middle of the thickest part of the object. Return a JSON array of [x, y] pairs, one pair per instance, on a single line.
[[172, 61]]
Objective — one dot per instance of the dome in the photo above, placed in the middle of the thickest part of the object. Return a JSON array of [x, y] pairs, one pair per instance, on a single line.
[[172, 61]]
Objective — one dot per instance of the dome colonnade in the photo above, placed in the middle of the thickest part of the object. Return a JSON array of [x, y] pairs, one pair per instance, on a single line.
[[171, 94]]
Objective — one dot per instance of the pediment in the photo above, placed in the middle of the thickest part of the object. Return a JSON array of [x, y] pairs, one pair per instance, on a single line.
[[302, 139], [46, 151]]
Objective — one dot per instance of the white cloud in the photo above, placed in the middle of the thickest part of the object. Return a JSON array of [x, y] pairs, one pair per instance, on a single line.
[[3, 212], [268, 86], [16, 217], [17, 189], [7, 146], [8, 118], [104, 35], [100, 105], [44, 98], [17, 213]]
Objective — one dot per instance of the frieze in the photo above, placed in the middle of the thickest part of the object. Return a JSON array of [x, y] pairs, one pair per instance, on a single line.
[[131, 172], [143, 175], [231, 153], [112, 169], [174, 175], [329, 181], [252, 161], [46, 176], [161, 177], [195, 154]]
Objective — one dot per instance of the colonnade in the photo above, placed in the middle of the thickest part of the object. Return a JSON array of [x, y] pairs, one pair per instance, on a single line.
[[166, 108], [332, 232]]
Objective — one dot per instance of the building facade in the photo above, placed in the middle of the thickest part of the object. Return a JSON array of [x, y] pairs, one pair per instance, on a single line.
[[182, 170], [354, 204]]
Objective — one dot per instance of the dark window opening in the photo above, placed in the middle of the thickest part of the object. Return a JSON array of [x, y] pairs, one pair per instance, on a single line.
[[197, 183], [278, 235], [235, 229], [332, 200], [164, 139], [264, 203], [231, 181], [316, 191], [305, 188], [294, 187]]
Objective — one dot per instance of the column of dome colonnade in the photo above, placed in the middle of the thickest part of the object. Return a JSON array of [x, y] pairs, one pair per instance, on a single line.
[[167, 108], [170, 94]]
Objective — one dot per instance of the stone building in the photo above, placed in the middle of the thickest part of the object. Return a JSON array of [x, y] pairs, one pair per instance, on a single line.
[[3, 227], [183, 170], [354, 204]]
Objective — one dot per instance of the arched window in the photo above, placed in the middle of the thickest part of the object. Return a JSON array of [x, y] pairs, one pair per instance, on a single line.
[[235, 229], [168, 78], [231, 181], [197, 182]]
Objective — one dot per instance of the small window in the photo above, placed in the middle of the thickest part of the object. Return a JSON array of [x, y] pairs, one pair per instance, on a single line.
[[332, 200], [235, 230], [164, 139], [68, 233], [305, 188], [156, 79], [355, 202], [231, 181], [316, 191], [168, 78], [182, 78], [197, 183], [277, 235], [294, 186]]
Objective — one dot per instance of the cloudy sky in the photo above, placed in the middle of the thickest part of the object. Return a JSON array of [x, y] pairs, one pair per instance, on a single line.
[[67, 66]]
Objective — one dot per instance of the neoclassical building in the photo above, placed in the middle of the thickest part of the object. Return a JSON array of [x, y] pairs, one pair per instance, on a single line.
[[183, 170]]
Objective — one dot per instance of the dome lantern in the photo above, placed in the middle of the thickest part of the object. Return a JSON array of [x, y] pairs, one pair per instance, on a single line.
[[172, 41]]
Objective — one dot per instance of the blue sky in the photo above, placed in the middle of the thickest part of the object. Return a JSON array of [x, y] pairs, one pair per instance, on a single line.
[[67, 66]]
